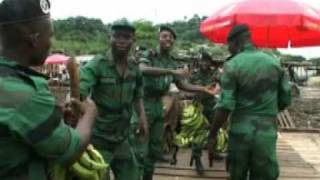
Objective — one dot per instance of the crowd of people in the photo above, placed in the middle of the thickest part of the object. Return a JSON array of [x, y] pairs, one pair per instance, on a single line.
[[118, 91]]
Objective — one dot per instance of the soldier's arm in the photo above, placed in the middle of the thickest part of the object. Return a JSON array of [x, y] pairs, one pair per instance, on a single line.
[[186, 86], [220, 117], [227, 101], [284, 92], [39, 123], [139, 105], [146, 69], [88, 77], [154, 71]]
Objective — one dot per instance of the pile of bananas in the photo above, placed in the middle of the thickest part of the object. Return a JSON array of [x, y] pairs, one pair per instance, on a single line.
[[195, 126], [222, 141], [90, 166]]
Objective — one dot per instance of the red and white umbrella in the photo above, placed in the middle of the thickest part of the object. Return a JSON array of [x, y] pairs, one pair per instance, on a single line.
[[57, 59], [273, 23]]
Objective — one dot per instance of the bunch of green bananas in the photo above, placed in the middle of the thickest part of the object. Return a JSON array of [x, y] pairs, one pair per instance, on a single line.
[[222, 141], [195, 126], [90, 166]]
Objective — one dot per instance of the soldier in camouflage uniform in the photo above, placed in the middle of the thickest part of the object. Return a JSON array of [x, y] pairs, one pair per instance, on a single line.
[[32, 130], [204, 76], [159, 70], [115, 84], [254, 90]]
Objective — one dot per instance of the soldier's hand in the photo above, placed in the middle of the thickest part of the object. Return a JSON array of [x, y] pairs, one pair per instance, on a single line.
[[212, 90], [69, 115], [87, 107], [143, 130], [181, 72]]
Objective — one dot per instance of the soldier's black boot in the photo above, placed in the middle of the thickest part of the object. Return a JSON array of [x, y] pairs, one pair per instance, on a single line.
[[199, 166]]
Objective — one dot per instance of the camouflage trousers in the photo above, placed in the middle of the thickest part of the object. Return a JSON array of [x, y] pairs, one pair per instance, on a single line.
[[253, 155], [149, 151], [122, 160], [197, 148]]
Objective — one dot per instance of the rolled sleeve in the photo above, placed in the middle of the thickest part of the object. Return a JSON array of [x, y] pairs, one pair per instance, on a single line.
[[61, 145], [145, 58], [39, 123], [227, 99], [88, 78], [138, 92]]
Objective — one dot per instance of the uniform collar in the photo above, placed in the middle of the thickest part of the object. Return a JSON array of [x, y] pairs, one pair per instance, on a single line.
[[111, 62], [14, 65], [110, 59], [5, 61], [160, 55], [249, 46]]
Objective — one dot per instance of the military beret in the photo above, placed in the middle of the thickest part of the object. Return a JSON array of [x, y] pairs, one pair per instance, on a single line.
[[166, 28], [19, 11], [237, 30], [122, 24]]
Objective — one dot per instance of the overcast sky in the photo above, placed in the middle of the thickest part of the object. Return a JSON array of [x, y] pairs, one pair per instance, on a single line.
[[157, 11]]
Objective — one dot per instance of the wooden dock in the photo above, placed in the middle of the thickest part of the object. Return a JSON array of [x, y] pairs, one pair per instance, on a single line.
[[298, 153]]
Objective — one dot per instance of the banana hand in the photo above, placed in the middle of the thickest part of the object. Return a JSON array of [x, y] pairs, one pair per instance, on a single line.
[[82, 172], [87, 162]]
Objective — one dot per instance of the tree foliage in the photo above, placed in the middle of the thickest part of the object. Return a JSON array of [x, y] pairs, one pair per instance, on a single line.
[[81, 35]]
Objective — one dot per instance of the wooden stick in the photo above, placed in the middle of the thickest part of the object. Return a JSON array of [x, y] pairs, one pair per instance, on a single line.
[[73, 70]]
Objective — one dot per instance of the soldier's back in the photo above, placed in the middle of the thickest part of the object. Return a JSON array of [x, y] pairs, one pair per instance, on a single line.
[[257, 77]]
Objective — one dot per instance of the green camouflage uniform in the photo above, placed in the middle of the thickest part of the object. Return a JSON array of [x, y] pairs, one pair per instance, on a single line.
[[204, 78], [115, 97], [255, 88], [31, 128], [155, 87]]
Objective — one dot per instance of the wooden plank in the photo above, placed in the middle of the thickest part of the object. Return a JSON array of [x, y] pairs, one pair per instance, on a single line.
[[191, 173], [286, 125], [222, 174], [163, 177], [293, 166], [280, 121], [300, 130], [292, 124]]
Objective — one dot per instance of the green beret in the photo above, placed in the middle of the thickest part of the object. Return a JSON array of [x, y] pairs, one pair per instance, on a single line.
[[237, 30], [123, 24], [166, 28], [19, 11]]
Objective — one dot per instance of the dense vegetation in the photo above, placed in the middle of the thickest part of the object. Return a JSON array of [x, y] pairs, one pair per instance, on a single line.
[[81, 35]]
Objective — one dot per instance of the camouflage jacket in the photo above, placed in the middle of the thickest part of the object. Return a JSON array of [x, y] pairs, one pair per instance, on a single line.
[[157, 86], [253, 85], [114, 96], [31, 128]]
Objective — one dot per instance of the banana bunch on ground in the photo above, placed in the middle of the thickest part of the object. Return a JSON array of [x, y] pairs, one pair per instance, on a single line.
[[195, 126], [222, 141], [90, 166]]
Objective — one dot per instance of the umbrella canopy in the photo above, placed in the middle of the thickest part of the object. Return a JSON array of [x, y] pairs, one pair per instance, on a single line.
[[273, 23], [57, 59]]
